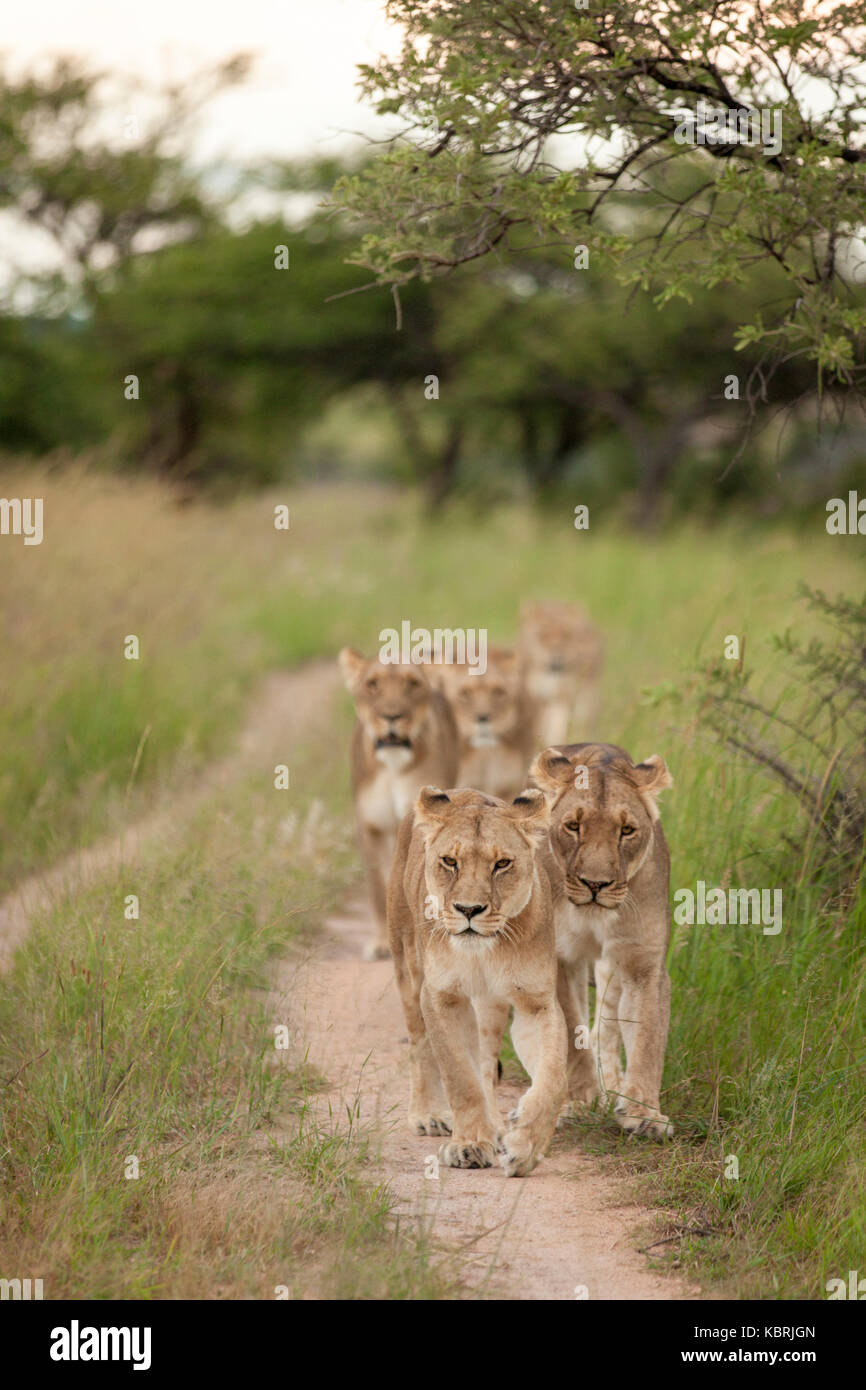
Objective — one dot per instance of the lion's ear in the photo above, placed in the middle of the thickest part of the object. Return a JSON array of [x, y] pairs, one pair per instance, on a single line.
[[431, 807], [551, 770], [652, 777], [351, 664], [530, 812]]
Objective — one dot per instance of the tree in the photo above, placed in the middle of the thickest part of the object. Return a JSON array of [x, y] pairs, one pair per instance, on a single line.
[[736, 130], [811, 740], [100, 189], [235, 354], [99, 165]]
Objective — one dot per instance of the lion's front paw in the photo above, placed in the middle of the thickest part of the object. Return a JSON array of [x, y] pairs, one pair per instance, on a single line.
[[377, 950], [519, 1154], [430, 1124], [643, 1120], [468, 1153]]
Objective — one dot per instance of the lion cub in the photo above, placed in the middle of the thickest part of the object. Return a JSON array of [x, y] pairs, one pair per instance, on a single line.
[[561, 652], [610, 872], [471, 930], [496, 723], [404, 737]]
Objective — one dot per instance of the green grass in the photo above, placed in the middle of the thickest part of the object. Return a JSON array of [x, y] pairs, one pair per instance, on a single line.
[[765, 1059], [153, 1040]]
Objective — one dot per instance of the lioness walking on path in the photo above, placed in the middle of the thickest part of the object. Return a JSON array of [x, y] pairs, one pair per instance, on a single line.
[[612, 914], [562, 656], [405, 737], [495, 722], [471, 930]]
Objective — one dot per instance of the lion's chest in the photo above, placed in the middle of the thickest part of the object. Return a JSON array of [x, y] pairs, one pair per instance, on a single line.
[[493, 769], [389, 794], [477, 970], [551, 686], [581, 933]]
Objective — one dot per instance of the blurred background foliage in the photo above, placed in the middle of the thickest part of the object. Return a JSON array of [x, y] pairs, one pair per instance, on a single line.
[[553, 382]]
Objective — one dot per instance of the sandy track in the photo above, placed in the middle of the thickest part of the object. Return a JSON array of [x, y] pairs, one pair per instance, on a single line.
[[286, 705], [565, 1226], [539, 1238]]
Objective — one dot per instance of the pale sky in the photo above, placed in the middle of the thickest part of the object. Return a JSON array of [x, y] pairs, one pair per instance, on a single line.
[[301, 94], [300, 98]]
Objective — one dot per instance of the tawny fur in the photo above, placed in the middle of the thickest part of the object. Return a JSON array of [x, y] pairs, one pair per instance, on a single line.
[[609, 868], [404, 738], [459, 975], [562, 655], [495, 721]]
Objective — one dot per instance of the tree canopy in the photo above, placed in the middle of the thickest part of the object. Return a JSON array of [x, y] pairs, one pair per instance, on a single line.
[[682, 141]]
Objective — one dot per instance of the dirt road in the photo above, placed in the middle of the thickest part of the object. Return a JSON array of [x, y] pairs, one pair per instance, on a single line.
[[563, 1233], [286, 703]]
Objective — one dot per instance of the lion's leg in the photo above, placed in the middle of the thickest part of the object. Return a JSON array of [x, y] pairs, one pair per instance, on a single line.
[[428, 1106], [606, 1034], [572, 989], [585, 709], [644, 1015], [377, 850], [453, 1030], [553, 722], [492, 1016], [543, 1039]]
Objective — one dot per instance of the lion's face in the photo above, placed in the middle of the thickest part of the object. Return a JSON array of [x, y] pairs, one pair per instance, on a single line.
[[558, 643], [479, 859], [391, 701], [486, 707], [600, 832]]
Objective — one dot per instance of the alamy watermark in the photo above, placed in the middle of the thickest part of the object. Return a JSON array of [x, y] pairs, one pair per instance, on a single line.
[[723, 125], [420, 646], [716, 907], [20, 1289], [846, 518], [854, 1289], [22, 516], [77, 1343]]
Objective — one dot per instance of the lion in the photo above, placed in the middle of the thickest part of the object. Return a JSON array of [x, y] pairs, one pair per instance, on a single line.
[[561, 652], [496, 723], [404, 738], [610, 881], [471, 931]]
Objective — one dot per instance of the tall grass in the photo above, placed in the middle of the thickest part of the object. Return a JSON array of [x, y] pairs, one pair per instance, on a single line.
[[150, 1051], [155, 1142]]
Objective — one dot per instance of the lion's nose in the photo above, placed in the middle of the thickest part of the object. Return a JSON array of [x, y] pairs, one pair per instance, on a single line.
[[595, 886], [482, 718], [471, 910]]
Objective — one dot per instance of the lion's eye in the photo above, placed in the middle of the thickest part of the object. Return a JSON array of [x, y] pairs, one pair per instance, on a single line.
[[414, 684], [372, 685], [573, 826], [627, 830], [448, 861], [503, 863]]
